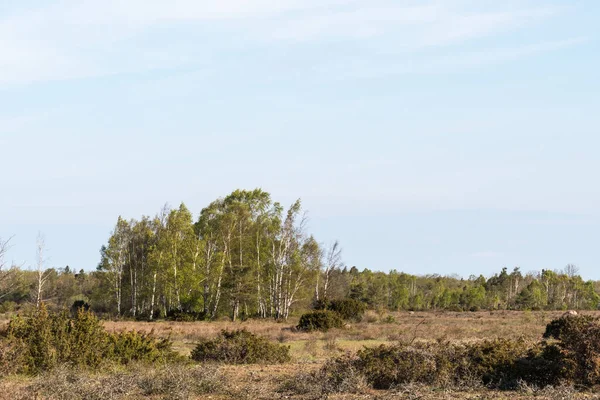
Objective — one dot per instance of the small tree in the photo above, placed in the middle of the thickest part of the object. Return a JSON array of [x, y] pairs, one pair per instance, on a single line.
[[9, 281], [41, 272], [4, 246]]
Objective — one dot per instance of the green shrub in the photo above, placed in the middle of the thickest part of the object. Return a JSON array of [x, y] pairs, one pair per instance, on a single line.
[[320, 321], [7, 306], [79, 305], [386, 366], [240, 347], [493, 362], [578, 348], [348, 309], [566, 326], [341, 374], [43, 340], [126, 347]]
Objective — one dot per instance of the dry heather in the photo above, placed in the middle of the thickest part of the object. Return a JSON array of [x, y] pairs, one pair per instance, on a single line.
[[374, 329], [309, 352]]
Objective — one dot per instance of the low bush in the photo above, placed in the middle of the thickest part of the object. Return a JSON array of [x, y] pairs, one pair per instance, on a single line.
[[386, 366], [7, 306], [320, 321], [348, 309], [136, 346], [496, 363], [577, 350], [77, 305], [240, 347], [43, 340], [571, 357]]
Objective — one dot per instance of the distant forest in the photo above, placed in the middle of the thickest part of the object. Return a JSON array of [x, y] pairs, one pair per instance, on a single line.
[[249, 257]]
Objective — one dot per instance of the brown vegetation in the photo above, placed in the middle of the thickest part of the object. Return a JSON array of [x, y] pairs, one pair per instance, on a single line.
[[472, 345]]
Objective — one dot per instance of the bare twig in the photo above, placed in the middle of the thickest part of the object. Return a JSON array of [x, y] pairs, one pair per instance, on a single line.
[[415, 331]]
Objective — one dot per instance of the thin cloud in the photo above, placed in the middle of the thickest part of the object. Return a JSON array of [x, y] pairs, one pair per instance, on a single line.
[[74, 40], [432, 64]]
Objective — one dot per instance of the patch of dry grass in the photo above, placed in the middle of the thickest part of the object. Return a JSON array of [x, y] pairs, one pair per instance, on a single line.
[[173, 381], [309, 352]]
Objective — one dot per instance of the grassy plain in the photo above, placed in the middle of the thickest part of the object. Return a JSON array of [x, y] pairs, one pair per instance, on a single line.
[[310, 350]]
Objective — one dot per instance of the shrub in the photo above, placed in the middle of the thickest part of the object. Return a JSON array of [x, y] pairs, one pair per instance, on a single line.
[[578, 348], [348, 309], [385, 366], [566, 326], [44, 340], [320, 321], [77, 305], [494, 363], [126, 347], [7, 306], [340, 375], [240, 347]]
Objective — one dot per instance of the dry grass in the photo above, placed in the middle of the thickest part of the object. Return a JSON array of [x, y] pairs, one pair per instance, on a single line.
[[425, 326], [310, 350]]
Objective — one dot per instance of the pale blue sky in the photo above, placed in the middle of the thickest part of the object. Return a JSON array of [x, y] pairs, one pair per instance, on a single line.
[[447, 136]]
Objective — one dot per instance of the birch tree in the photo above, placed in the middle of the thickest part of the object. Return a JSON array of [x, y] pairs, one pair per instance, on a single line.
[[41, 273], [333, 261], [9, 281], [114, 257]]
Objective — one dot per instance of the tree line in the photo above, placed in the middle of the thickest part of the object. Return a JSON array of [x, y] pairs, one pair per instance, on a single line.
[[247, 256]]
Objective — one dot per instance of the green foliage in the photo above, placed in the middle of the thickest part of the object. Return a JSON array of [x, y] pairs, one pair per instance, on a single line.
[[79, 305], [320, 321], [43, 340], [136, 346], [385, 366], [7, 306], [566, 327], [348, 309], [578, 347], [240, 347]]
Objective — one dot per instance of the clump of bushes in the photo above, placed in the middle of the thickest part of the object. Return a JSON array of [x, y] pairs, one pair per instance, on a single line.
[[569, 355], [43, 340], [577, 348], [77, 305], [240, 347], [348, 309], [137, 346], [321, 320], [442, 364]]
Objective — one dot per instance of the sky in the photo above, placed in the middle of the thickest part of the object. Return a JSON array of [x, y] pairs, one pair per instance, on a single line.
[[448, 136]]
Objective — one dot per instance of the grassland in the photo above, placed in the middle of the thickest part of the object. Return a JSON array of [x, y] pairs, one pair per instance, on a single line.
[[309, 352]]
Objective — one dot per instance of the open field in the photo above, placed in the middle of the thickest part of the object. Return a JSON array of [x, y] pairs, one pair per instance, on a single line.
[[373, 330], [309, 352]]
